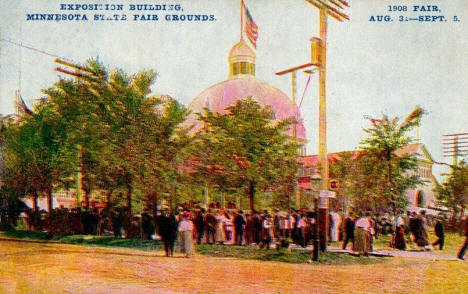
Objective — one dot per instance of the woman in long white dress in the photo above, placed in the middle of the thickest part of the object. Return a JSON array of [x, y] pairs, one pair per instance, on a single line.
[[185, 230], [220, 236], [335, 229]]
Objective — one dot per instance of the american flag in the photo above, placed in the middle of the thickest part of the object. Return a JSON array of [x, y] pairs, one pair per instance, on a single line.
[[250, 28], [20, 105]]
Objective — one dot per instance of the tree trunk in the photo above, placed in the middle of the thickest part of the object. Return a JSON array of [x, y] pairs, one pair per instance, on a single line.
[[129, 201], [251, 196], [35, 201], [154, 199], [50, 204]]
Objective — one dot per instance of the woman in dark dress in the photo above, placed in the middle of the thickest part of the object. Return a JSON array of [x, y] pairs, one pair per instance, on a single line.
[[399, 238], [168, 232]]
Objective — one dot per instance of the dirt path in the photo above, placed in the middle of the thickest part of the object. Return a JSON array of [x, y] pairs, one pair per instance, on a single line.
[[404, 253], [61, 268]]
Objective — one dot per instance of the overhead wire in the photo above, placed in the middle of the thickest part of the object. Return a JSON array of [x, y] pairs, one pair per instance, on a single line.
[[35, 49]]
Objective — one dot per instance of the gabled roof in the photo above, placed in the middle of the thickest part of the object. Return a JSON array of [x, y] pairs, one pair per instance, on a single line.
[[410, 149], [314, 160], [415, 149]]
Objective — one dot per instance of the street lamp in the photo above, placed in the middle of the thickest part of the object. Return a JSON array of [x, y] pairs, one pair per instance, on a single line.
[[315, 181]]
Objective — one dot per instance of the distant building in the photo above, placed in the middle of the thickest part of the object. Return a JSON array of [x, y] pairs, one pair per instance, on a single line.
[[242, 83], [423, 196], [418, 198]]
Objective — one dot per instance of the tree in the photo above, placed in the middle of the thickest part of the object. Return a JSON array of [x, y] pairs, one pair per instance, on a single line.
[[35, 152], [247, 149], [385, 137], [123, 136], [453, 192]]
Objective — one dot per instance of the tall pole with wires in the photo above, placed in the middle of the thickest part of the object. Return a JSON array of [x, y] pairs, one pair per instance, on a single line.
[[319, 61], [455, 145]]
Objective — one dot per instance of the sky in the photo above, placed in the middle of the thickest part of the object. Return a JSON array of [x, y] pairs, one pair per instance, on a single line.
[[373, 68]]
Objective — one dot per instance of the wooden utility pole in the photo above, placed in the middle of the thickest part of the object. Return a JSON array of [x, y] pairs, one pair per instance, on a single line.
[[327, 8], [319, 60], [455, 145]]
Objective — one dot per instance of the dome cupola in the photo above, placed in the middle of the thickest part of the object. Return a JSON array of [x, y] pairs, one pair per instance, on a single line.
[[241, 60]]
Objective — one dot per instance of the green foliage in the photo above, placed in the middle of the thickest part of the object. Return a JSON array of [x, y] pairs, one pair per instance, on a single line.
[[108, 241], [384, 169], [453, 192], [36, 155], [247, 150], [104, 125], [22, 234]]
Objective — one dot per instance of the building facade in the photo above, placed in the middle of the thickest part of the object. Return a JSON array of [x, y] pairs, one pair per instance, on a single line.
[[421, 197]]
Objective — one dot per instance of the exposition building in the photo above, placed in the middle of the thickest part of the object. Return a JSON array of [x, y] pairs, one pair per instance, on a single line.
[[243, 83]]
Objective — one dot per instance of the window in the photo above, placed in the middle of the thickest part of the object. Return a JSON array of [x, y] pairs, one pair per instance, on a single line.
[[244, 68], [235, 68], [252, 69]]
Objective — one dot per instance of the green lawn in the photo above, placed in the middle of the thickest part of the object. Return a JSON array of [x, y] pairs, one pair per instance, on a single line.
[[453, 241], [242, 252]]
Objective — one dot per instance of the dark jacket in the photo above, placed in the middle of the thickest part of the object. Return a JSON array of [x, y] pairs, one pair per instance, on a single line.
[[349, 226], [168, 229], [439, 229], [239, 222]]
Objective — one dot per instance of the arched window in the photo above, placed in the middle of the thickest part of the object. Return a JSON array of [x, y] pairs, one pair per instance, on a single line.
[[420, 199], [242, 68]]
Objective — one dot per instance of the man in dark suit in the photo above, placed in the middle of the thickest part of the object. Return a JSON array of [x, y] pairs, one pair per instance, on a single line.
[[439, 231], [199, 222], [348, 231], [462, 251], [210, 227], [415, 227], [239, 223]]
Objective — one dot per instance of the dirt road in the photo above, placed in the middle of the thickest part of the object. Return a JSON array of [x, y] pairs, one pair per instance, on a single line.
[[58, 268]]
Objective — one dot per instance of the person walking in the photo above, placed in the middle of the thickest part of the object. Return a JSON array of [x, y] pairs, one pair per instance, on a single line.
[[300, 227], [398, 241], [185, 229], [335, 226], [239, 223], [220, 235], [423, 240], [168, 232], [414, 227], [439, 231], [210, 227], [267, 232], [349, 231], [362, 234], [200, 225], [228, 228], [462, 251]]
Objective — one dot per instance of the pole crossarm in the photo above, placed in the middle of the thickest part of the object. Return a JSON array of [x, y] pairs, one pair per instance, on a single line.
[[69, 64], [345, 3], [75, 74], [292, 69], [330, 10], [459, 134]]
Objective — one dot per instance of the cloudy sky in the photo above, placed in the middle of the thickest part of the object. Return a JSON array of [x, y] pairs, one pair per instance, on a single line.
[[374, 68]]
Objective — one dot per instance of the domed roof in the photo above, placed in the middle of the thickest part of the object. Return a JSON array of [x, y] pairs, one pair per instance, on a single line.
[[221, 95], [241, 52]]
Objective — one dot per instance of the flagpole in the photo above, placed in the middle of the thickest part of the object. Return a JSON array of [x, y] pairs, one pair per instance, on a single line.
[[241, 20]]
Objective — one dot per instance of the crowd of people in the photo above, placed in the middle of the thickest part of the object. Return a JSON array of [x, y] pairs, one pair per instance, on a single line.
[[217, 226], [407, 228], [234, 227]]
